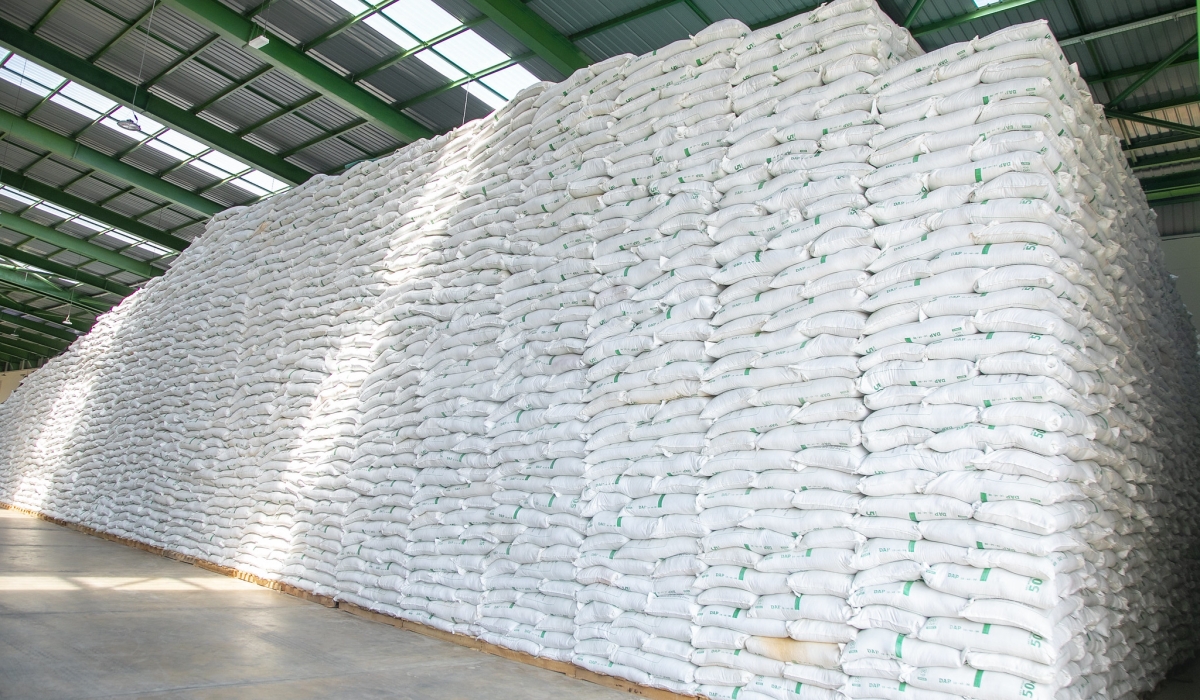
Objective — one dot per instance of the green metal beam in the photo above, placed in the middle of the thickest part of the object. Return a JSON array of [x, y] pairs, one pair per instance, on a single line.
[[912, 14], [1161, 139], [697, 11], [1158, 68], [1166, 202], [462, 81], [36, 343], [401, 55], [35, 284], [1194, 131], [91, 210], [1170, 182], [65, 271], [38, 327], [1134, 70], [10, 363], [238, 30], [321, 138], [1163, 160], [65, 147], [20, 354], [46, 15], [630, 16], [1127, 27], [75, 245], [45, 315], [141, 99], [986, 11], [530, 29]]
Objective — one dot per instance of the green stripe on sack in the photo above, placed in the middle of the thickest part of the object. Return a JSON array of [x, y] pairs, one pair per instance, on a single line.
[[742, 574], [984, 575], [908, 587], [899, 646], [978, 678], [978, 174]]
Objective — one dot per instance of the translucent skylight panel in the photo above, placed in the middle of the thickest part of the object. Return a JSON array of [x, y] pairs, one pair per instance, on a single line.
[[265, 181], [77, 108], [90, 223], [224, 162], [87, 98], [422, 17], [440, 64], [24, 83], [391, 32], [167, 149], [206, 168], [985, 3], [34, 72], [249, 187], [510, 81], [54, 210], [188, 145], [154, 248], [487, 96], [354, 7], [123, 237], [82, 110], [471, 52], [18, 195]]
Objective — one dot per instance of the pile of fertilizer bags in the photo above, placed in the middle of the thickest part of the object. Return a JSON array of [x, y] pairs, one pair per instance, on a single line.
[[786, 364]]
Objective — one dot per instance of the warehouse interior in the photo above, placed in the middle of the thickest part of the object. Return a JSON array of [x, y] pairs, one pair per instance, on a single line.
[[130, 128], [92, 210]]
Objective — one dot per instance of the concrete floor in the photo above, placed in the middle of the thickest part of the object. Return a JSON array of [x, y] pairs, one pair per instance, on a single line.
[[82, 617]]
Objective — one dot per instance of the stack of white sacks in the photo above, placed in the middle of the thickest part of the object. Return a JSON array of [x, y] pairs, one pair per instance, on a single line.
[[776, 364]]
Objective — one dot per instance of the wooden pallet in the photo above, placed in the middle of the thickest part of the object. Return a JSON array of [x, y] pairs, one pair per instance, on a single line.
[[562, 667]]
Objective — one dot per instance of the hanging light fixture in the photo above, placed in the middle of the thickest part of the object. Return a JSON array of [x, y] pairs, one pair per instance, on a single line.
[[130, 124]]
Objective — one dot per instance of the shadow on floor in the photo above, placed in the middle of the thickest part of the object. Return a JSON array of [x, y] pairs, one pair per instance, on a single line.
[[82, 617]]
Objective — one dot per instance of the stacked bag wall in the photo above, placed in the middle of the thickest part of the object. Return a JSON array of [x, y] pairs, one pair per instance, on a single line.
[[794, 363]]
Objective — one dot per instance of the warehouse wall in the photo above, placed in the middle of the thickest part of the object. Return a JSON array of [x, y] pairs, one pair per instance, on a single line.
[[10, 380], [1183, 261]]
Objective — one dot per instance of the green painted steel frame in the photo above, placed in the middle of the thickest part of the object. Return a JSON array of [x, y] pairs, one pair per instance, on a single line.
[[63, 146], [985, 11], [1194, 131], [91, 210], [78, 246], [530, 29], [233, 27], [43, 314], [140, 99], [65, 271], [38, 326], [33, 283], [1153, 71]]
